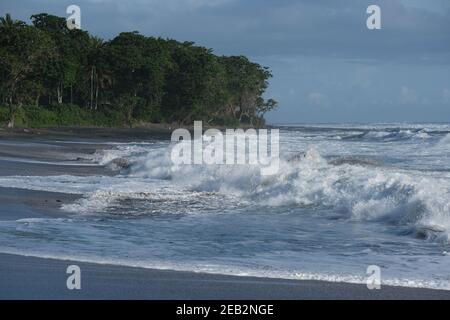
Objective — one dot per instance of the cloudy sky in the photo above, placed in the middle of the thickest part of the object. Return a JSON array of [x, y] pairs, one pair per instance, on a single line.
[[327, 66]]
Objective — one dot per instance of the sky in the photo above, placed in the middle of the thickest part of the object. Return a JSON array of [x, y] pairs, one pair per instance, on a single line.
[[327, 65]]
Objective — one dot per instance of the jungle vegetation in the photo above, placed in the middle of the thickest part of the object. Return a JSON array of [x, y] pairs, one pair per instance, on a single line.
[[53, 76]]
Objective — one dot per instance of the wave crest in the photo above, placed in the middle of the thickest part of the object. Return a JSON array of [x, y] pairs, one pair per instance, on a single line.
[[354, 191]]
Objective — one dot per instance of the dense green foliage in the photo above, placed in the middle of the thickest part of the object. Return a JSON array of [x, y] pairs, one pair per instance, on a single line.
[[50, 75]]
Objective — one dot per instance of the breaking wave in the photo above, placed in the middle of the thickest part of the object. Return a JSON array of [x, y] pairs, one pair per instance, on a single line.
[[362, 190], [328, 213], [445, 141], [354, 190], [394, 135]]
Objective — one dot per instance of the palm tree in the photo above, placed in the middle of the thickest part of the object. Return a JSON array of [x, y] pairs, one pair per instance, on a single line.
[[95, 47], [8, 23], [8, 27]]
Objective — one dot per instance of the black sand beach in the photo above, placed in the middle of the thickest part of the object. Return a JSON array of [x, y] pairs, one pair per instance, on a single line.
[[23, 277], [36, 278]]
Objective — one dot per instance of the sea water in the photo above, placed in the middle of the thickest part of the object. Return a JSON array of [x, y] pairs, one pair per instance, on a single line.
[[346, 197]]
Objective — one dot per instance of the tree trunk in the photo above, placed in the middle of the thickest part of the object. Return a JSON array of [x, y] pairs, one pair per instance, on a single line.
[[129, 114], [96, 89], [96, 97], [59, 92], [92, 87], [12, 120]]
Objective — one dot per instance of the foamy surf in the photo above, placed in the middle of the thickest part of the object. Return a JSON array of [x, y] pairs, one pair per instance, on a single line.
[[345, 197], [361, 278]]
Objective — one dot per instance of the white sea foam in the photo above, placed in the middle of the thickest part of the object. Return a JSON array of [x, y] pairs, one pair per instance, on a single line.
[[445, 141], [388, 201], [240, 271], [358, 192], [355, 191], [422, 135], [377, 134], [396, 135]]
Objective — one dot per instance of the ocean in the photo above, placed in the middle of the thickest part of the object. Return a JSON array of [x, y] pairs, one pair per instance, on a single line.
[[346, 197]]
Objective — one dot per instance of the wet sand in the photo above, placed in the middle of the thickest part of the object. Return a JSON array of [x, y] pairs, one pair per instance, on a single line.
[[36, 278], [23, 277], [22, 204]]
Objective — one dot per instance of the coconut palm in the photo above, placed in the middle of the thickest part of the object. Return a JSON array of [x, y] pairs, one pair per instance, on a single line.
[[7, 22]]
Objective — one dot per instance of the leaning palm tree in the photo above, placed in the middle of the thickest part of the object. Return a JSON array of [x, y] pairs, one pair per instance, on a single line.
[[8, 27], [7, 22]]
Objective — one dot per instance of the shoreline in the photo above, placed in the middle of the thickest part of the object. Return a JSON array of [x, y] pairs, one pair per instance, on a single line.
[[96, 133], [30, 277], [150, 130], [26, 277]]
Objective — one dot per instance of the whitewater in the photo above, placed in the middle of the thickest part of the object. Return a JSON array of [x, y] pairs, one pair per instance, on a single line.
[[346, 196]]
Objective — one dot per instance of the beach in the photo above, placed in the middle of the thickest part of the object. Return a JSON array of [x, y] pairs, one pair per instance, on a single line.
[[37, 278], [47, 180]]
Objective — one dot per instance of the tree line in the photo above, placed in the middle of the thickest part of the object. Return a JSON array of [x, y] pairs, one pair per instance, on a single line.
[[133, 77]]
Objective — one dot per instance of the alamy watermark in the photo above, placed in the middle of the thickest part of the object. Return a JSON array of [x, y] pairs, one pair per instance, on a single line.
[[74, 280], [235, 146], [373, 22], [74, 20], [373, 277]]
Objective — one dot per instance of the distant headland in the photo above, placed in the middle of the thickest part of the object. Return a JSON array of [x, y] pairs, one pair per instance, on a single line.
[[51, 76]]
